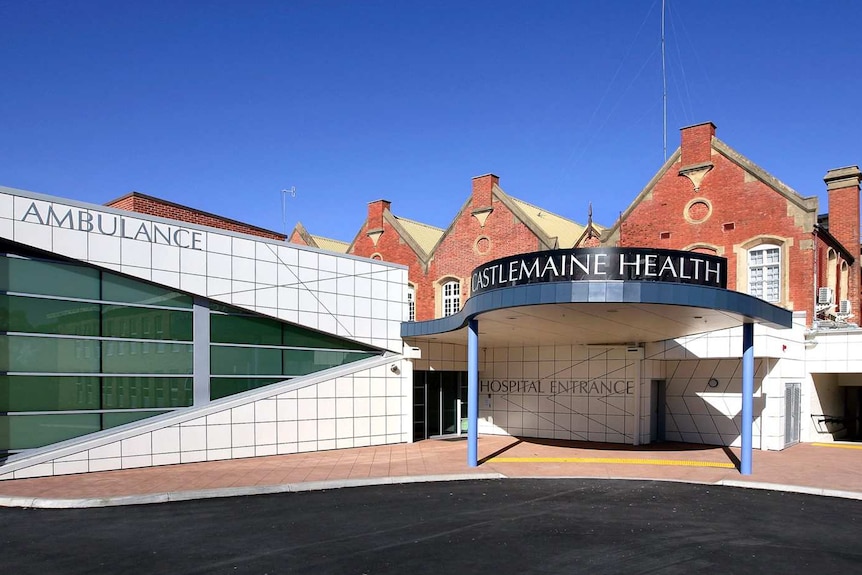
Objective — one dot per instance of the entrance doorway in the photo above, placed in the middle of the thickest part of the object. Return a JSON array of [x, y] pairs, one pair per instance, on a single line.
[[439, 403], [792, 413], [657, 410], [853, 412]]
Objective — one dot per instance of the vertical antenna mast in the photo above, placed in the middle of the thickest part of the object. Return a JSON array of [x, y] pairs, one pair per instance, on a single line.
[[292, 192], [663, 87]]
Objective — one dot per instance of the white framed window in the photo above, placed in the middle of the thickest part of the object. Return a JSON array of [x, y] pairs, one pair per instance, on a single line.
[[764, 272], [411, 303], [451, 297]]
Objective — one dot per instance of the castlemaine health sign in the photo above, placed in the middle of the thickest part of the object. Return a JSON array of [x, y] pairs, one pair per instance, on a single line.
[[601, 264]]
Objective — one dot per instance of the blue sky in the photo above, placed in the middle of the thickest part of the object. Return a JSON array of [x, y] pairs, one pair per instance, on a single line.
[[220, 105]]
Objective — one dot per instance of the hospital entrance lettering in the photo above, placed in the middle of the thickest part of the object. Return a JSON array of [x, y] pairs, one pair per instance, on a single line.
[[557, 386]]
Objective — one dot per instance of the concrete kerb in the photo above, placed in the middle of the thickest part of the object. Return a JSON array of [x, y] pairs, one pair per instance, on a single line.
[[120, 500], [792, 489], [83, 503]]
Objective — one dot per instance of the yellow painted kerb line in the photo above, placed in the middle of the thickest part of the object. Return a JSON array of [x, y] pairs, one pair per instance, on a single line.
[[841, 445], [622, 461]]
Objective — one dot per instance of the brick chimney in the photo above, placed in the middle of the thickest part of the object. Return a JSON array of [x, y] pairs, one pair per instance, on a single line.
[[482, 186], [696, 144], [842, 184], [375, 214]]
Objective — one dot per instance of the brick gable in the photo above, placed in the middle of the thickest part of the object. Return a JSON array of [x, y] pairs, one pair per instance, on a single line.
[[484, 229], [468, 243], [722, 203]]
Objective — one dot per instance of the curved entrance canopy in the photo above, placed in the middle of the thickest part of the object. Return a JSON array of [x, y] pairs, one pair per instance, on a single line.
[[600, 296], [599, 312]]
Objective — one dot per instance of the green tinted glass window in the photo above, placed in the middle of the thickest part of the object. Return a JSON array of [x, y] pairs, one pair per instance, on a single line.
[[146, 323], [48, 278], [48, 355], [29, 431], [244, 329], [147, 357], [241, 326], [115, 419], [245, 361], [297, 336], [123, 289], [48, 393], [34, 315], [224, 386], [143, 392], [302, 362], [224, 308]]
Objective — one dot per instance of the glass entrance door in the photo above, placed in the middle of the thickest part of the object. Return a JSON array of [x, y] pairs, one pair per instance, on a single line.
[[449, 395], [439, 400]]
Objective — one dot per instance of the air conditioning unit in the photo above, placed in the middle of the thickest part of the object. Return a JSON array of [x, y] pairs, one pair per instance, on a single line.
[[824, 296], [844, 307]]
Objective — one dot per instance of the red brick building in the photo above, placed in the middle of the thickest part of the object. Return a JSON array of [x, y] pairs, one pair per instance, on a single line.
[[710, 198], [707, 197], [490, 224]]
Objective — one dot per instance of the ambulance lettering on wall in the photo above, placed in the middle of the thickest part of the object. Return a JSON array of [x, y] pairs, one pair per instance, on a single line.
[[113, 225], [601, 264]]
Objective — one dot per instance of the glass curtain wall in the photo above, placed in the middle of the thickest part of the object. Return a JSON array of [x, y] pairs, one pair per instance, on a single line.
[[249, 351], [82, 350]]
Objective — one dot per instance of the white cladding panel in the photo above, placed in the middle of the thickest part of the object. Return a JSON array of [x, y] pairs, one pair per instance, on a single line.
[[367, 407], [294, 283], [354, 298], [564, 392]]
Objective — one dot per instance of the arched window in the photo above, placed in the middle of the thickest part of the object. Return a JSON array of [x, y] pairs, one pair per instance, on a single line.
[[451, 297], [764, 272], [411, 303], [832, 269]]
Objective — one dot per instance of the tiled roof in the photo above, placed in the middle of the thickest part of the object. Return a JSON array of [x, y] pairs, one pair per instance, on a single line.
[[331, 245], [565, 230], [426, 236]]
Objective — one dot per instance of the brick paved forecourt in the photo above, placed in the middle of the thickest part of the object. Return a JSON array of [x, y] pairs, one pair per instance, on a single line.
[[832, 470]]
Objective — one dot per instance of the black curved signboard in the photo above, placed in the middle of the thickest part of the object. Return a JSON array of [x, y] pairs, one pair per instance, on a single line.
[[603, 264]]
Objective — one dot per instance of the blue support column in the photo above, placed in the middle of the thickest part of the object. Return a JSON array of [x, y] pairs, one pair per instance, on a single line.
[[473, 393], [747, 396]]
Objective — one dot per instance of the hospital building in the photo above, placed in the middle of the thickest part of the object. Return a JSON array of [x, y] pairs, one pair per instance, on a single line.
[[720, 308]]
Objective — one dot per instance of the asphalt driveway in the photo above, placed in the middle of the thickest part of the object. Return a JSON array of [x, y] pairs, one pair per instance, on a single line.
[[505, 527]]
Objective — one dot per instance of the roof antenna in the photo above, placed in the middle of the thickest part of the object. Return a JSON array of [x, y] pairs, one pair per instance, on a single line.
[[292, 192], [664, 86]]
